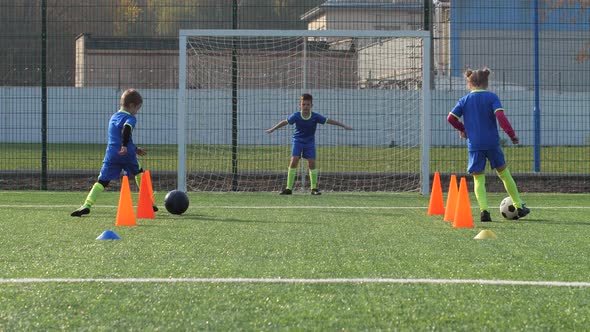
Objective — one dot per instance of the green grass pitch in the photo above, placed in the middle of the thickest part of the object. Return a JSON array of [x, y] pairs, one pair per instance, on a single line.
[[260, 261]]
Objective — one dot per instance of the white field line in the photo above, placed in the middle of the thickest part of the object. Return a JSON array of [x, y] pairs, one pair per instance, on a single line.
[[9, 206], [299, 281]]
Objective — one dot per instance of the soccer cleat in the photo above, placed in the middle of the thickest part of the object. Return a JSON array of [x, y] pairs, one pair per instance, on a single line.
[[155, 208], [485, 216], [286, 191], [80, 212], [315, 192], [523, 211]]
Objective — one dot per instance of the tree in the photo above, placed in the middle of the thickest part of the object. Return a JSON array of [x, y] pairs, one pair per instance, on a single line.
[[132, 18], [571, 12], [172, 15]]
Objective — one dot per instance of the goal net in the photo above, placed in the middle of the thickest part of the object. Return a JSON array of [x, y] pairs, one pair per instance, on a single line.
[[235, 84]]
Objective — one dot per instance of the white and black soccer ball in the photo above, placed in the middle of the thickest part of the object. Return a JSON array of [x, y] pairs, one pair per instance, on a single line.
[[508, 210]]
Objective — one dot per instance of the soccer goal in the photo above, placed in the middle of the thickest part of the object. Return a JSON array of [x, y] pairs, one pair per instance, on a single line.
[[235, 84]]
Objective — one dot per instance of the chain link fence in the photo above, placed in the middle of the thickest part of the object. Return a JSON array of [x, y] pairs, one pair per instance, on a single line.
[[64, 64]]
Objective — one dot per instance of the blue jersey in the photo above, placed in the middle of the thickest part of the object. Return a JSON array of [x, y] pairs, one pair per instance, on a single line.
[[478, 110], [116, 124], [305, 128]]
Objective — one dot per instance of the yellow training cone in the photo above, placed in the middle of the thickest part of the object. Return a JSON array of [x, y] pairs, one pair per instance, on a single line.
[[485, 235]]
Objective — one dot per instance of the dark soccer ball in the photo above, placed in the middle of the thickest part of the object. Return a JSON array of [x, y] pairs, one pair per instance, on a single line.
[[508, 209], [176, 202]]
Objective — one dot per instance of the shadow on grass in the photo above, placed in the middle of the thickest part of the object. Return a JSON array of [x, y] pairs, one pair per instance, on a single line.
[[192, 217], [556, 222], [234, 220], [503, 223]]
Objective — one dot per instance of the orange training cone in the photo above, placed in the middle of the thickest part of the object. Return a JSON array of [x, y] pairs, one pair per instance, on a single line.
[[436, 205], [451, 199], [149, 186], [144, 202], [125, 215], [463, 217]]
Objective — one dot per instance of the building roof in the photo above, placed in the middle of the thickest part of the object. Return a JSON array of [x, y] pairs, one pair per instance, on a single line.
[[363, 4], [373, 3], [128, 43]]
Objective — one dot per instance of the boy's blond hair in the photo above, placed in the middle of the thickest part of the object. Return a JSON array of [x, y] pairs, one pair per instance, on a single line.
[[131, 96]]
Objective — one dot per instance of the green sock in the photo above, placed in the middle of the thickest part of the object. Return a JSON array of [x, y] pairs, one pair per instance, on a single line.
[[510, 187], [313, 178], [138, 180], [97, 188], [479, 186], [291, 177]]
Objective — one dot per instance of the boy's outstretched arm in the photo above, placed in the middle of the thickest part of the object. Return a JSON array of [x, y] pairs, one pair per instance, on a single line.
[[339, 124], [277, 126]]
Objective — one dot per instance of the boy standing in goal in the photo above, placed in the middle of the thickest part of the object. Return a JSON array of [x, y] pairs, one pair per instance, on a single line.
[[305, 122]]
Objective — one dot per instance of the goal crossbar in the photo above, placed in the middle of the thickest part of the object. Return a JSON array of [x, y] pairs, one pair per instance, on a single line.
[[305, 33]]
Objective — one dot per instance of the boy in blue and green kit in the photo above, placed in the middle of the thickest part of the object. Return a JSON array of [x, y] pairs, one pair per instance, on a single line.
[[121, 153], [306, 123]]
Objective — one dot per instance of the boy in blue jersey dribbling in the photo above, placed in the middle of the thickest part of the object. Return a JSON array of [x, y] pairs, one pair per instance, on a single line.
[[121, 153], [306, 123], [480, 109]]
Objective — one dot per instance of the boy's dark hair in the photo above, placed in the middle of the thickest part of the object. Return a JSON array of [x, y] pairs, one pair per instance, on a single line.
[[477, 78], [306, 96], [131, 96]]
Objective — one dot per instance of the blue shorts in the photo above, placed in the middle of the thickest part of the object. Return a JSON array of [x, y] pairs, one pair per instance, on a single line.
[[112, 171], [306, 151], [477, 159]]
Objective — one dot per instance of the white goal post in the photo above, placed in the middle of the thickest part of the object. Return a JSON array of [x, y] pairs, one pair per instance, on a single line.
[[232, 84]]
